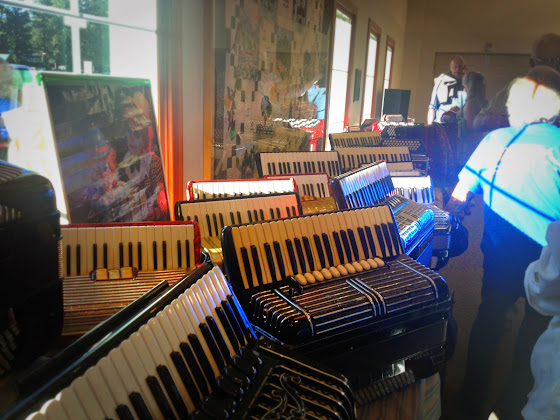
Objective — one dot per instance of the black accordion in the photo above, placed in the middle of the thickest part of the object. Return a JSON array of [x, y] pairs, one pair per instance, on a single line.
[[190, 353], [338, 287], [31, 300]]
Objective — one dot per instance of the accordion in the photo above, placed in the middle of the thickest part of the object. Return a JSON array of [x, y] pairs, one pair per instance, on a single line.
[[337, 287], [190, 353], [31, 298]]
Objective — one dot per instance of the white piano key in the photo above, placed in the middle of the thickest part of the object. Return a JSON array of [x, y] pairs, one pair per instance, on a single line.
[[70, 238], [254, 240], [71, 404], [114, 385], [149, 247], [99, 388], [53, 410], [269, 239], [90, 242], [173, 247], [116, 242], [160, 237], [87, 399], [100, 240], [126, 363], [279, 235]]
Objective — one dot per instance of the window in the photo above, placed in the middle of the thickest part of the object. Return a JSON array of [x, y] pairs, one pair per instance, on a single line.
[[374, 33], [339, 76], [113, 37], [388, 65]]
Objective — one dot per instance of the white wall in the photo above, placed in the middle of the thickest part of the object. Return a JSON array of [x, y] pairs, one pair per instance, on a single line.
[[391, 16], [439, 26]]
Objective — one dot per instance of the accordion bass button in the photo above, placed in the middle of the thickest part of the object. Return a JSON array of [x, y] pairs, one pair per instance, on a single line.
[[357, 266], [372, 263], [364, 264], [343, 271], [309, 277], [318, 276], [300, 279], [326, 273], [334, 271]]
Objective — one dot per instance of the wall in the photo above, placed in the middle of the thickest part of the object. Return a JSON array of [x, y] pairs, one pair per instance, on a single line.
[[432, 27], [391, 16]]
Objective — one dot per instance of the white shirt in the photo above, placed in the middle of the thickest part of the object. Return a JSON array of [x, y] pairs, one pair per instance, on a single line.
[[542, 285]]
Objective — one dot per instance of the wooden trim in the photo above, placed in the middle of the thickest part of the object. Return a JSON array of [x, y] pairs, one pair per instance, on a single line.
[[329, 73], [373, 29], [349, 10], [390, 44], [208, 90]]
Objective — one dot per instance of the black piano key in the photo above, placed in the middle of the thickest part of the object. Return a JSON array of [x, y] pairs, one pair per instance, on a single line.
[[124, 413], [202, 360], [388, 239], [245, 366], [105, 256], [270, 260], [241, 318], [247, 264], [299, 167], [346, 243], [130, 258], [289, 168], [371, 242], [288, 211], [160, 398], [338, 245], [95, 256], [354, 244], [139, 251], [271, 213], [249, 216], [280, 260], [164, 254], [78, 259], [256, 215], [309, 253], [154, 248], [228, 329], [300, 255], [216, 227], [328, 249], [381, 240], [197, 375], [172, 391], [121, 255], [319, 248], [179, 254], [222, 224], [364, 242], [312, 190], [337, 168], [323, 193], [239, 218], [329, 165], [185, 376], [211, 322], [305, 167], [212, 345], [294, 211], [257, 264], [232, 218], [140, 406], [278, 213], [209, 224], [269, 168], [292, 255], [187, 252], [261, 212], [68, 260], [233, 321]]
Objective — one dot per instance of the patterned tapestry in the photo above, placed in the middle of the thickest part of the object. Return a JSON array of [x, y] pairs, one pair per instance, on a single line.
[[271, 75]]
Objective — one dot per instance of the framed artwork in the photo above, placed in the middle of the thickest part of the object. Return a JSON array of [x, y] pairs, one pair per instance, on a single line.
[[98, 145], [271, 72]]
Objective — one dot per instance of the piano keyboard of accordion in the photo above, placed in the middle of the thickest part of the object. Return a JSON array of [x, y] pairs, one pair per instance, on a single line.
[[337, 287], [107, 266], [282, 163], [314, 185], [397, 158], [415, 188], [190, 354], [202, 190], [213, 215], [372, 184], [355, 139]]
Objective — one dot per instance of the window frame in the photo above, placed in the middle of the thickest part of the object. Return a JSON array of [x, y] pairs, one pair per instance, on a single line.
[[375, 30], [390, 44], [351, 12]]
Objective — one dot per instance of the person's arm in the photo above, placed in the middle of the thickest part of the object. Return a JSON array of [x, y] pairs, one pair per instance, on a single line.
[[542, 278], [489, 122], [431, 116]]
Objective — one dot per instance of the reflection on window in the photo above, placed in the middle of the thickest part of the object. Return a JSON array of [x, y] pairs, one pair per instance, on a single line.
[[114, 37], [339, 75], [368, 108]]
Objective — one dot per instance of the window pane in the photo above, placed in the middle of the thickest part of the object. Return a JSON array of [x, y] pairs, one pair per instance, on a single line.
[[388, 63], [337, 102], [341, 52], [370, 79]]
